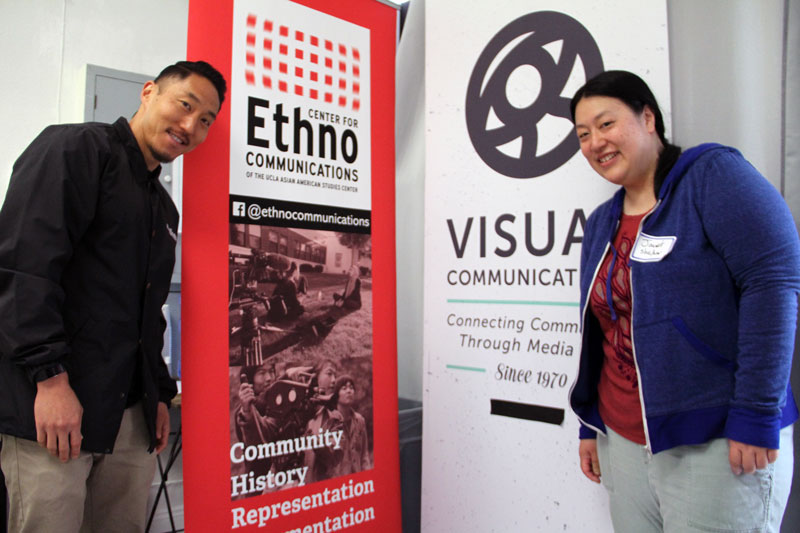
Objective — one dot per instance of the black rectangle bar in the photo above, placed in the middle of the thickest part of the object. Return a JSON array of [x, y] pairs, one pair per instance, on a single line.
[[268, 212], [527, 411]]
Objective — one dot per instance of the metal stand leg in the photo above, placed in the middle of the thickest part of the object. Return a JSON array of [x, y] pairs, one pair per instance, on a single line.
[[174, 452], [3, 501]]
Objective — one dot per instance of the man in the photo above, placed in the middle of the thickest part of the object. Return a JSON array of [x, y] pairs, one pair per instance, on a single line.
[[253, 425], [87, 246]]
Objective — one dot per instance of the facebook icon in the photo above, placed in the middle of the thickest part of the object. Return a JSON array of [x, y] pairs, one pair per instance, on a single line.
[[238, 209]]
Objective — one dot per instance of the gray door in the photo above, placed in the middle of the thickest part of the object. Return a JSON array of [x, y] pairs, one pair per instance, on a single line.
[[111, 94]]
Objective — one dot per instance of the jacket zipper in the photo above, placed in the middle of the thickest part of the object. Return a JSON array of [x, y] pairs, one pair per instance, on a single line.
[[583, 322], [633, 344]]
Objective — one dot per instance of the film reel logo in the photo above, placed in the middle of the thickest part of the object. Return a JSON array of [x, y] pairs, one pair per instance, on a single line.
[[553, 46]]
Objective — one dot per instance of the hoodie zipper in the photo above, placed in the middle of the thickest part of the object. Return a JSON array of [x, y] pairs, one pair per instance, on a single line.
[[633, 344], [583, 321]]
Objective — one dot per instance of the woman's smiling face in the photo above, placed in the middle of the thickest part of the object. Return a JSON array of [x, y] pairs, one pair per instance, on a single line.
[[620, 144]]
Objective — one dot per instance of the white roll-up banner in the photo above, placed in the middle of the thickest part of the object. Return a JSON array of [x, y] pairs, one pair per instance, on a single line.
[[507, 196]]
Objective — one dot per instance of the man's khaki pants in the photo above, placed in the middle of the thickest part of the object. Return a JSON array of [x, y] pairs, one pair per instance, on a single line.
[[93, 493]]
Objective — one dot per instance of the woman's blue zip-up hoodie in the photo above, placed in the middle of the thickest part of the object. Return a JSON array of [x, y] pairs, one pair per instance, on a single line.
[[713, 321]]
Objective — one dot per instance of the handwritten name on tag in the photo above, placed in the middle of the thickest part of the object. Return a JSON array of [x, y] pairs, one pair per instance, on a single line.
[[649, 248]]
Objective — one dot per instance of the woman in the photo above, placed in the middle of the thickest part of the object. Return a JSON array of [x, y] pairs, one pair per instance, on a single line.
[[324, 372], [354, 438], [689, 281]]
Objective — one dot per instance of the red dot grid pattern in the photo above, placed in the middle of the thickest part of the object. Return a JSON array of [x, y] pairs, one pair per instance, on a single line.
[[306, 64]]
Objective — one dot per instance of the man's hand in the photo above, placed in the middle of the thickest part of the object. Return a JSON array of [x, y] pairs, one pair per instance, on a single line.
[[746, 458], [247, 396], [58, 414], [590, 466], [162, 426]]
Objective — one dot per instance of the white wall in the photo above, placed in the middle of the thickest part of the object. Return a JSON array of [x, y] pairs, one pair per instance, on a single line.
[[791, 117], [46, 45], [726, 62], [333, 247], [410, 198]]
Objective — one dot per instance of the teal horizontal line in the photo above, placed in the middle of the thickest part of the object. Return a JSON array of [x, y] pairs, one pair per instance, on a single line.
[[470, 368], [513, 302]]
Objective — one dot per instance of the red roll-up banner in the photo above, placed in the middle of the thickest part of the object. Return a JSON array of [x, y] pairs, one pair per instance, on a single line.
[[289, 360]]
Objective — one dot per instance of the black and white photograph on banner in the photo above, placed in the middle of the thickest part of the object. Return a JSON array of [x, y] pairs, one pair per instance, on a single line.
[[300, 324]]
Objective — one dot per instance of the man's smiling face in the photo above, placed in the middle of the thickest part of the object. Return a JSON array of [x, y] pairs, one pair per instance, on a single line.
[[174, 117]]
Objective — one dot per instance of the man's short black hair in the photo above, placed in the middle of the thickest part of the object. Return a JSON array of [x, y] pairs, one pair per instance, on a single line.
[[183, 69]]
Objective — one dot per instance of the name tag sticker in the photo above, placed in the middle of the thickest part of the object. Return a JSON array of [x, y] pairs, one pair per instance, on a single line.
[[649, 249]]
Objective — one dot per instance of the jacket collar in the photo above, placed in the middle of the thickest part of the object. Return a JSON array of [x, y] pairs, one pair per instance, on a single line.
[[680, 167], [125, 134], [683, 163]]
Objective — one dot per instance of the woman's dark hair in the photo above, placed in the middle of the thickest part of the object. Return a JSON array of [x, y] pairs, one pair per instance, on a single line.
[[631, 90], [319, 366], [322, 362]]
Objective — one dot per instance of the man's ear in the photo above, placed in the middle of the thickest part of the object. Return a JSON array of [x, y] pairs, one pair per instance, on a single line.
[[148, 90]]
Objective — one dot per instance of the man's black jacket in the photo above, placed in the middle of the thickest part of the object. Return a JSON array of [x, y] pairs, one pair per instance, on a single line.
[[87, 246]]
